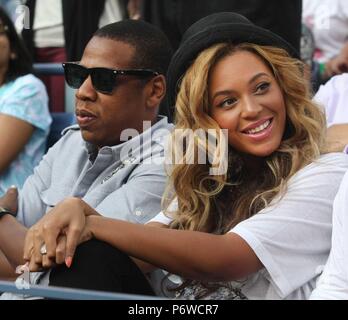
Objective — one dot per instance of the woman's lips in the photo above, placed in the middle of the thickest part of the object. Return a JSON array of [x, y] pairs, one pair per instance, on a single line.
[[262, 135]]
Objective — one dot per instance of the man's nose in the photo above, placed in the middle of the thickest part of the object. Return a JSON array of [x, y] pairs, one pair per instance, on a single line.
[[86, 91]]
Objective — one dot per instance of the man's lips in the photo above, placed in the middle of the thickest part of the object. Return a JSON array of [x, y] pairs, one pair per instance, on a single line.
[[84, 117], [84, 113]]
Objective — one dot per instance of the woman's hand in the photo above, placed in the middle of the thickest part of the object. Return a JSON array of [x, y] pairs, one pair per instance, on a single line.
[[61, 231]]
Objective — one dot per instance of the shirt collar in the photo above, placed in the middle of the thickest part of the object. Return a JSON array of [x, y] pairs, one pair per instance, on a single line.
[[133, 144]]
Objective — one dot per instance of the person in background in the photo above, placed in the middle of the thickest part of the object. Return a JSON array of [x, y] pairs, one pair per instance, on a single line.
[[328, 22], [60, 30], [24, 116], [10, 6], [259, 231], [333, 97], [333, 283], [174, 17]]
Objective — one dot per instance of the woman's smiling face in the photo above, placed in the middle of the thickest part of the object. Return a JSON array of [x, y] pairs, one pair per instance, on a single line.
[[245, 98]]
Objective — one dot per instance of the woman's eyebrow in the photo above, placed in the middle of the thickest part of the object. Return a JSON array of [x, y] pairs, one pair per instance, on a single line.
[[255, 77], [222, 93], [228, 92]]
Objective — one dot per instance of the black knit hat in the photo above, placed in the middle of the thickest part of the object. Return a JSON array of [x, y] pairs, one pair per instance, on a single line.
[[217, 28]]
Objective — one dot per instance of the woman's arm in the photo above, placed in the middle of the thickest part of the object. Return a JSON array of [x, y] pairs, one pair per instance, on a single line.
[[14, 135], [142, 265], [191, 254], [195, 255]]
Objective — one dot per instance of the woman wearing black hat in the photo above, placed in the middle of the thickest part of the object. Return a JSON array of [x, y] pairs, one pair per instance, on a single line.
[[261, 230]]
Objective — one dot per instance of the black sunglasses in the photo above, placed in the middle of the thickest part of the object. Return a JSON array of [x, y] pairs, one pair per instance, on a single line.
[[103, 79]]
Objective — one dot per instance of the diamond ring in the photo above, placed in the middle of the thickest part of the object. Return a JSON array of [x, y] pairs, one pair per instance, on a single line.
[[43, 249]]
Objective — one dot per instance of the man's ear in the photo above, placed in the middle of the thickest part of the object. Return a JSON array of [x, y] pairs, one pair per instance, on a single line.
[[156, 91]]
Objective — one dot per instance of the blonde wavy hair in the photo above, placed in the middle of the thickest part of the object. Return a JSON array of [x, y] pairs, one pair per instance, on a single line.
[[216, 203]]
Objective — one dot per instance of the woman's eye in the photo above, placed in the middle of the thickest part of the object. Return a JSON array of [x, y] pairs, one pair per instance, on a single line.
[[228, 103], [262, 87]]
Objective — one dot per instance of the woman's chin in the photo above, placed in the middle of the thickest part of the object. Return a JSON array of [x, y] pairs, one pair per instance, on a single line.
[[262, 152]]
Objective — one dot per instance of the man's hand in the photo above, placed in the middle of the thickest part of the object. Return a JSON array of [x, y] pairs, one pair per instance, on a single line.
[[338, 64], [61, 230], [337, 138], [134, 9], [10, 200]]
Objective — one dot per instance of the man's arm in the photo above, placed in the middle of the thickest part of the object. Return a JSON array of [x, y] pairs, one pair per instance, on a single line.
[[29, 208], [7, 272], [12, 236]]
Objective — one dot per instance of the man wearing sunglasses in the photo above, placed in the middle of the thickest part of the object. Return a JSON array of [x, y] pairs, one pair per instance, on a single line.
[[119, 86]]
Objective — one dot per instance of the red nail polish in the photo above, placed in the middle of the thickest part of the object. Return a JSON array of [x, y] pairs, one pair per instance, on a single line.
[[68, 261]]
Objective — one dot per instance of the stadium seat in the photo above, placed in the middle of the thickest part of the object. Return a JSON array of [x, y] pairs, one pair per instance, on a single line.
[[60, 120]]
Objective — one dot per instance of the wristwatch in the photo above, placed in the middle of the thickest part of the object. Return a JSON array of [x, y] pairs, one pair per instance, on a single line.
[[4, 211]]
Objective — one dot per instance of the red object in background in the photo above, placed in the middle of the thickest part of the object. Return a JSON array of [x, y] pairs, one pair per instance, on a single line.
[[55, 84]]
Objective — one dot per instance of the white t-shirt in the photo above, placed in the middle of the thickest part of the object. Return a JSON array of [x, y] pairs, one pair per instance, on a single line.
[[112, 13], [328, 20], [292, 237], [333, 283], [48, 21], [48, 24]]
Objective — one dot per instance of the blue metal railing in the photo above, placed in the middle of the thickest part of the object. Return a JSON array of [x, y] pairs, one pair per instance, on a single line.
[[51, 69], [69, 294]]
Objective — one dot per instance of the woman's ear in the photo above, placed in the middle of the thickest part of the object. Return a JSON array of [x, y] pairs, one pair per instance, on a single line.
[[13, 56], [156, 91]]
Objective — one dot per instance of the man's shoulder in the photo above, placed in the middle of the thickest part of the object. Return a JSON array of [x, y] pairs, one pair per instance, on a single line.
[[71, 129], [70, 139], [71, 134]]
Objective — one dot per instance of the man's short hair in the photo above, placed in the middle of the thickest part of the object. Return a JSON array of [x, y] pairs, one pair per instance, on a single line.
[[152, 47]]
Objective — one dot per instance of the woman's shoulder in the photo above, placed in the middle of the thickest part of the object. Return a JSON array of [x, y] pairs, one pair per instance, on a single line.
[[28, 79], [27, 87]]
